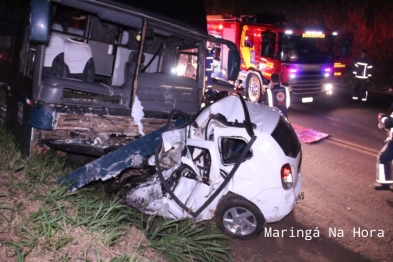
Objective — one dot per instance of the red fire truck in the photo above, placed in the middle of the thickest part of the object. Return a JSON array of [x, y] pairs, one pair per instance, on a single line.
[[342, 55], [302, 55]]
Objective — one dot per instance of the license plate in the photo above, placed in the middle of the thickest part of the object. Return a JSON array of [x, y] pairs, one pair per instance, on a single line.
[[307, 99]]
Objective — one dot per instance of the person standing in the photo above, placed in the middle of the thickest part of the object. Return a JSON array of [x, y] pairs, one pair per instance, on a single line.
[[362, 72], [385, 156], [209, 66], [278, 95], [210, 95]]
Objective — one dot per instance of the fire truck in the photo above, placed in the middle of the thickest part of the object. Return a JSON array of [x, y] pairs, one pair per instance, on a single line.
[[342, 55], [302, 55]]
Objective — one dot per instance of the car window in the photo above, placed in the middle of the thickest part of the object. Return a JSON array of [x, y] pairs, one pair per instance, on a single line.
[[231, 148], [286, 137]]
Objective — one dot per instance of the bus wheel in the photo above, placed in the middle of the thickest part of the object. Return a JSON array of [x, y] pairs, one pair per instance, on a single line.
[[253, 88]]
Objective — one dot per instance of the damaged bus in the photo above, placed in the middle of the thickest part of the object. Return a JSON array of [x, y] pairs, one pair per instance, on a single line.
[[89, 76]]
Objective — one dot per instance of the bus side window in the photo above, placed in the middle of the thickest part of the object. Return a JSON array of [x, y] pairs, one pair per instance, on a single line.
[[27, 55], [30, 61]]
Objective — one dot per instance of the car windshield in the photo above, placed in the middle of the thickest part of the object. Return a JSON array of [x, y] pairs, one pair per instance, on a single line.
[[300, 49]]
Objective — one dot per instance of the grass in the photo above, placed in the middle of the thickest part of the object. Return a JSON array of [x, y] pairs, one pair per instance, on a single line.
[[182, 240], [43, 221]]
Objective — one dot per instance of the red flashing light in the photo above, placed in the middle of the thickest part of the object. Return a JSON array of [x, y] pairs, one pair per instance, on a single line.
[[286, 176], [29, 102]]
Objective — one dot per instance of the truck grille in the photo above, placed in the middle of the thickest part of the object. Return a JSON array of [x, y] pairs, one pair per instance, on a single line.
[[307, 82]]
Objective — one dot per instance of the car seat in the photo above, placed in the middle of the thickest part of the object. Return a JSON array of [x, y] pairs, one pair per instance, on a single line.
[[79, 59], [130, 65]]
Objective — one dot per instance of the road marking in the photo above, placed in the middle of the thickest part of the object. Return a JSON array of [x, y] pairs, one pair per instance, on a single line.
[[353, 146]]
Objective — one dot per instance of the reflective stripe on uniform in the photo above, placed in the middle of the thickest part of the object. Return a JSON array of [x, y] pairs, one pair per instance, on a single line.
[[269, 97], [288, 97], [381, 175], [364, 74]]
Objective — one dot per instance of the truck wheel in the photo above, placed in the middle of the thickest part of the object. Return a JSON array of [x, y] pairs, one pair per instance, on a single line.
[[239, 218], [253, 88]]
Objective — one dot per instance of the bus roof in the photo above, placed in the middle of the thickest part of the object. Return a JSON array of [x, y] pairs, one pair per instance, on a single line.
[[181, 14]]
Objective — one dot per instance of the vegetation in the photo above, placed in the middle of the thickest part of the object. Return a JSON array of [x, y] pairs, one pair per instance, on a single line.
[[368, 23], [43, 221]]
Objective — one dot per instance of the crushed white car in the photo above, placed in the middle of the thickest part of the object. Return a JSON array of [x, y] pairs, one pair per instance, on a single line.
[[235, 161]]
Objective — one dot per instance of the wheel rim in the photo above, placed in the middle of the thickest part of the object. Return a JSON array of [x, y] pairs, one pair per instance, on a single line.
[[253, 88], [240, 221]]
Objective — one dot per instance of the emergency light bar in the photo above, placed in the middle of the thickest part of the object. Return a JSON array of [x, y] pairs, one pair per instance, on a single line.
[[339, 65], [313, 34]]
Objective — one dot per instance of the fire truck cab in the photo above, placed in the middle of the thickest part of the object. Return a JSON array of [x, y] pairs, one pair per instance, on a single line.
[[342, 55], [301, 55]]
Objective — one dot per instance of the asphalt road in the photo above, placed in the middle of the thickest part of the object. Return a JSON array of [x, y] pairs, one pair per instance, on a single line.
[[342, 217]]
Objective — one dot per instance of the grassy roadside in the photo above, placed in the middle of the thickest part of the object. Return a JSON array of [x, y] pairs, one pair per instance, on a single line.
[[43, 221]]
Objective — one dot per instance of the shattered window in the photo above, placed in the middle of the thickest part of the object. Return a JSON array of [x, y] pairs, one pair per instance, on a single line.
[[187, 63], [231, 148], [202, 160]]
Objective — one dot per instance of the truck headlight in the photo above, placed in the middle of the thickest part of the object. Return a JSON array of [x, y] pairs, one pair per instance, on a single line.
[[329, 89]]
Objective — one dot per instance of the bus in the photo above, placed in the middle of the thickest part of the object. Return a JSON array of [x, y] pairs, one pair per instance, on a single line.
[[88, 76]]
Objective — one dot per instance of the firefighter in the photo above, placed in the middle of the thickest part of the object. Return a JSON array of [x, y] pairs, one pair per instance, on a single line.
[[210, 94], [362, 72], [385, 156], [209, 66], [278, 95]]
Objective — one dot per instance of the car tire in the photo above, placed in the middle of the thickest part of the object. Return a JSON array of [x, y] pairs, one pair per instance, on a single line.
[[253, 88], [239, 218]]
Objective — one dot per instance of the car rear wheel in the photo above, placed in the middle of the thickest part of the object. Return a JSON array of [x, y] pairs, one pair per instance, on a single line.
[[239, 218], [253, 88]]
